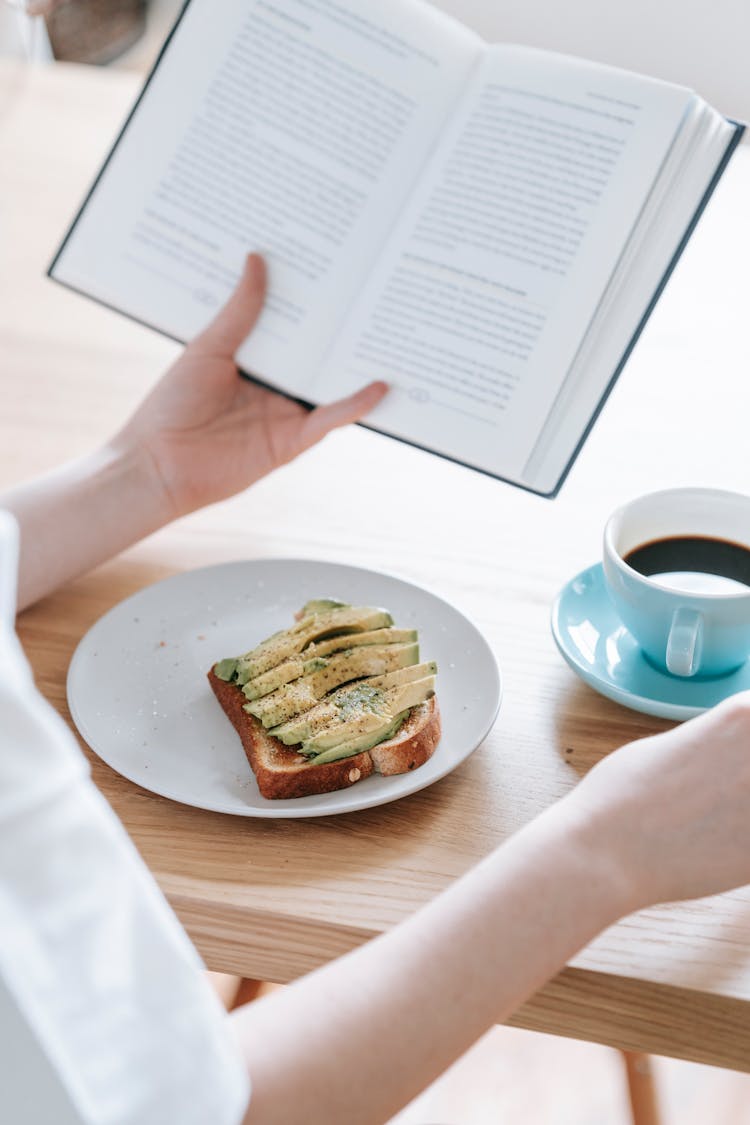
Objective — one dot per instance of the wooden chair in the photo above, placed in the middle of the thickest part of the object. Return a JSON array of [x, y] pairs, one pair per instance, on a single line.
[[644, 1104]]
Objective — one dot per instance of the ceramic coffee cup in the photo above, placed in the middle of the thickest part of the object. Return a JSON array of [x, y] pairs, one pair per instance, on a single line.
[[677, 568]]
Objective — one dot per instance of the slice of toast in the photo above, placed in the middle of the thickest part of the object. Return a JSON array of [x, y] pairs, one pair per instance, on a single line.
[[282, 773]]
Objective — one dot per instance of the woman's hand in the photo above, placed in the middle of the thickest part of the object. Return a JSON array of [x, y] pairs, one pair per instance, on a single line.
[[661, 819], [673, 810], [202, 434], [209, 433]]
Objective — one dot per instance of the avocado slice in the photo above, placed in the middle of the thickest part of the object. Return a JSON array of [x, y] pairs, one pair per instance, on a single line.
[[352, 664], [308, 722], [319, 605], [360, 722], [357, 745], [225, 669], [352, 640], [404, 675], [304, 664], [350, 695], [290, 642], [282, 674]]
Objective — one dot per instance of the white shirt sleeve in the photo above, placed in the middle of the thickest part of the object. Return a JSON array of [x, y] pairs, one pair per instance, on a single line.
[[102, 998]]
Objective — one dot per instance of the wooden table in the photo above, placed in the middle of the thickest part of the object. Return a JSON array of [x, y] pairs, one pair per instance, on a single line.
[[273, 899]]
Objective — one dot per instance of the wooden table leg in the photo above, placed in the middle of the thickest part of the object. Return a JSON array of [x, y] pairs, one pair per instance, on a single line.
[[641, 1088]]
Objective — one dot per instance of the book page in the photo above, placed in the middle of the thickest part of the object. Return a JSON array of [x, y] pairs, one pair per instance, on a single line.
[[484, 293], [687, 175], [291, 127]]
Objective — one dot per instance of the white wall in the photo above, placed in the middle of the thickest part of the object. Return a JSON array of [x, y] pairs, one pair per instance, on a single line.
[[704, 44], [21, 37]]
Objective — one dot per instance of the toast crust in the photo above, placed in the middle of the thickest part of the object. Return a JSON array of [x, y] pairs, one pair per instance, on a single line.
[[282, 773]]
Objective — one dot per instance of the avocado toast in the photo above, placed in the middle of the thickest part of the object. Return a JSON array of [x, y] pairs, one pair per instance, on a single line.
[[339, 695]]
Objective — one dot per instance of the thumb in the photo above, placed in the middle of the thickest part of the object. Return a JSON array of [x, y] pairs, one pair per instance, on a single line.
[[326, 418], [234, 323]]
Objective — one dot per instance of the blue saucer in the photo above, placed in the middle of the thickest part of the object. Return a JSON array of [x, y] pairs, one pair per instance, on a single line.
[[598, 647]]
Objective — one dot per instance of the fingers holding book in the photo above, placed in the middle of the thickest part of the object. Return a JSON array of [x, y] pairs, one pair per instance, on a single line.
[[236, 320], [207, 433]]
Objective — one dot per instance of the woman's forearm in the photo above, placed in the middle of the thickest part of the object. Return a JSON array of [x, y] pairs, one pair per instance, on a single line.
[[367, 1033], [82, 514]]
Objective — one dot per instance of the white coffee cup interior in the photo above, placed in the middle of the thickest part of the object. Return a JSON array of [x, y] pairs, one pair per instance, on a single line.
[[678, 513]]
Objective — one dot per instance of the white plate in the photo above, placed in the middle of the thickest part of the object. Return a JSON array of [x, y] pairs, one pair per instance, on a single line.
[[138, 691]]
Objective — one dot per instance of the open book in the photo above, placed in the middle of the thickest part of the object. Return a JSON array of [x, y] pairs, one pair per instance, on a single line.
[[486, 227]]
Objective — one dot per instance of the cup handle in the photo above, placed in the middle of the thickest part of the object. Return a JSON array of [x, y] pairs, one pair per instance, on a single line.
[[685, 642]]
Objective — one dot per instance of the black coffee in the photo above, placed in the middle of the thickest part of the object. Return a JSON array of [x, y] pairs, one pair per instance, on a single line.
[[695, 553]]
